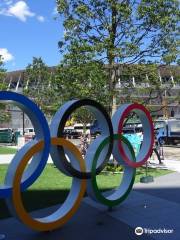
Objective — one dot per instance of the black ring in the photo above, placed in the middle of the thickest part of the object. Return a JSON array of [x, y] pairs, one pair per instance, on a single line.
[[69, 108]]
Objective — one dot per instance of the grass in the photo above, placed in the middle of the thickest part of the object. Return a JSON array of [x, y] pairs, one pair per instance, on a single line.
[[7, 150], [52, 187]]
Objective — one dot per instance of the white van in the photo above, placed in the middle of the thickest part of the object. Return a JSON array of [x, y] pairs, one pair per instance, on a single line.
[[29, 131], [79, 128]]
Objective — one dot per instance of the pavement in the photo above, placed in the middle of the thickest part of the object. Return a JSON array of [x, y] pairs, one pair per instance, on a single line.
[[166, 187], [88, 223], [6, 158], [152, 206], [170, 164]]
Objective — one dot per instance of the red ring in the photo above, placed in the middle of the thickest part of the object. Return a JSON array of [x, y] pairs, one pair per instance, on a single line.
[[120, 127]]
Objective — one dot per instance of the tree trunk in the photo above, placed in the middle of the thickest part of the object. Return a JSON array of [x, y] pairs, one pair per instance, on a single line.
[[112, 86]]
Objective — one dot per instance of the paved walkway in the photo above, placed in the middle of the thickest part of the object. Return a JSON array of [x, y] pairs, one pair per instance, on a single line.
[[173, 165], [6, 158], [166, 187], [87, 224], [151, 206], [170, 164]]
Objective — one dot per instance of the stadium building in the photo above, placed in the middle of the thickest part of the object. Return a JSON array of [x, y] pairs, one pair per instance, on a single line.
[[169, 80]]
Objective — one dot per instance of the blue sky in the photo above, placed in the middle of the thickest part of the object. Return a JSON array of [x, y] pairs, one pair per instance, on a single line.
[[28, 29]]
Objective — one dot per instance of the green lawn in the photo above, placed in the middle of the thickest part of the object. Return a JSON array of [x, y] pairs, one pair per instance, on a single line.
[[7, 150], [52, 187]]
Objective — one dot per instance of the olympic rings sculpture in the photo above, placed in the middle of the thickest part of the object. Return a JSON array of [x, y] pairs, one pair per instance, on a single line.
[[68, 159]]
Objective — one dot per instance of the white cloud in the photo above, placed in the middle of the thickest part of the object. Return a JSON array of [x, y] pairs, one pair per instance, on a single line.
[[20, 10], [40, 18], [6, 55]]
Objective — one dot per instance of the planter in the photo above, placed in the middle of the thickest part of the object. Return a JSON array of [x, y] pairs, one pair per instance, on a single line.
[[146, 179]]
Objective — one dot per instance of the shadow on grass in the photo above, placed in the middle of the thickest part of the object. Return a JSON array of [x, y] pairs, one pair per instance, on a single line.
[[38, 199]]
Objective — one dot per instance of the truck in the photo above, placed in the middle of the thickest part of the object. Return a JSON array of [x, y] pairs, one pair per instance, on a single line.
[[167, 131]]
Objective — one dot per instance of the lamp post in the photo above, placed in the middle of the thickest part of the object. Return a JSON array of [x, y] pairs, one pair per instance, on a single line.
[[23, 123]]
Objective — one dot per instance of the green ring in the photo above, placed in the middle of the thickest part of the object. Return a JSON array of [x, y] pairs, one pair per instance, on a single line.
[[98, 194]]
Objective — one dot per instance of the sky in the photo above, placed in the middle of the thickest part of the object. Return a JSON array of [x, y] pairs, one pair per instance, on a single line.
[[28, 29]]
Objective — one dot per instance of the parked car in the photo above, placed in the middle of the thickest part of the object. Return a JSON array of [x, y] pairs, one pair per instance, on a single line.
[[6, 135], [69, 132]]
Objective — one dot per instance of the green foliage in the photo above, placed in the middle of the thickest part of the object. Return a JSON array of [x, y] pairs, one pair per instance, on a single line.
[[116, 32], [4, 116], [40, 84], [82, 115], [81, 78], [2, 75], [113, 168]]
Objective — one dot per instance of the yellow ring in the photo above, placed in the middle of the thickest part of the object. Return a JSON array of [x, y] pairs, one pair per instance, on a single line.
[[16, 192]]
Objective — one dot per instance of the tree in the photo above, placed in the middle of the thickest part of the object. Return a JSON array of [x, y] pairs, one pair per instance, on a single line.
[[39, 84], [120, 32], [82, 80], [4, 116], [78, 77], [2, 74], [83, 116]]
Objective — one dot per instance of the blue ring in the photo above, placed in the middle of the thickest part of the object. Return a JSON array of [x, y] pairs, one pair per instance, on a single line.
[[43, 131]]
